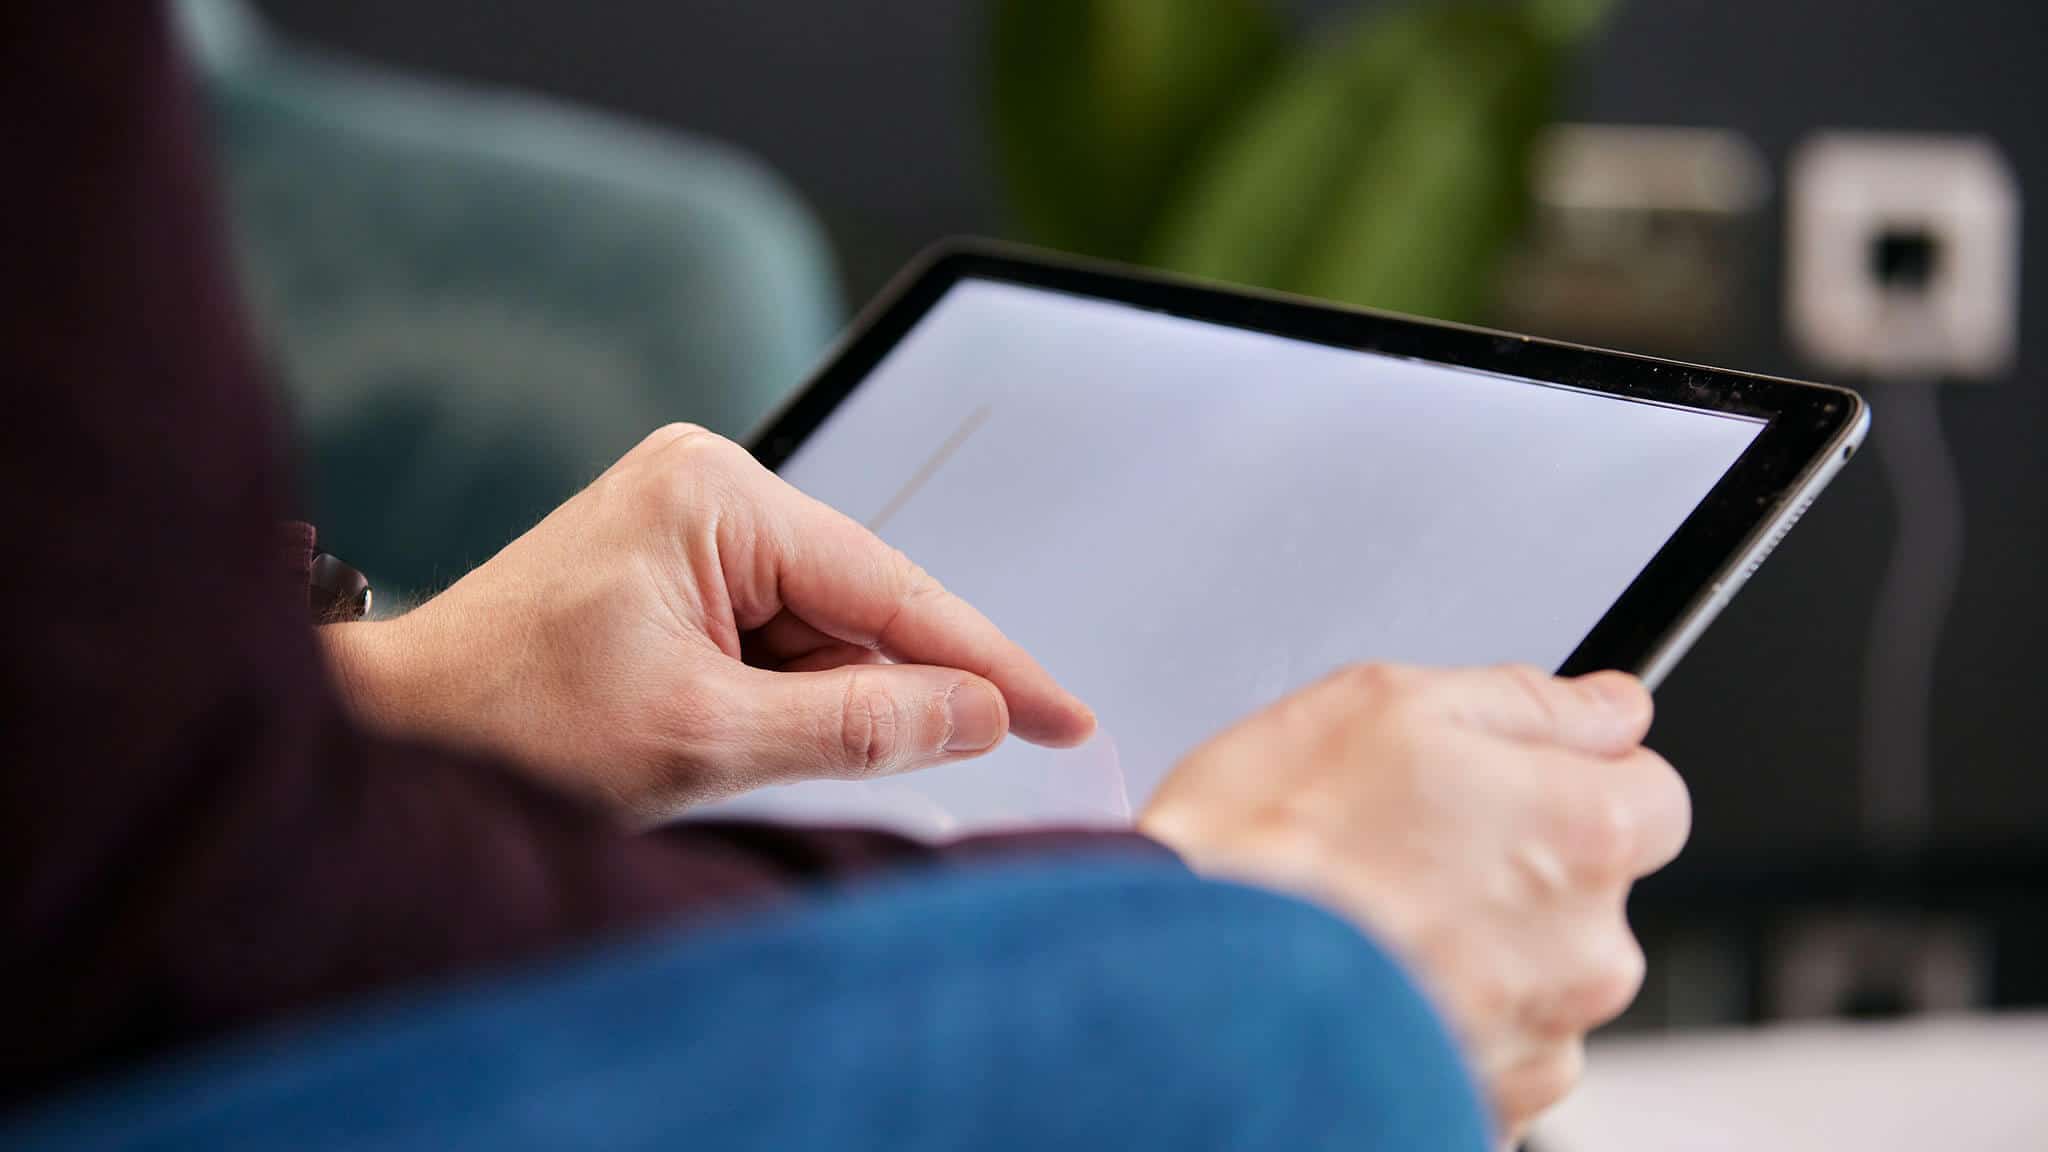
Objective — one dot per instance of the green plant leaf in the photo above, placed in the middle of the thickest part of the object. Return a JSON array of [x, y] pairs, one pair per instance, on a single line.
[[1424, 232], [1390, 170], [1250, 210], [1099, 106], [1569, 21]]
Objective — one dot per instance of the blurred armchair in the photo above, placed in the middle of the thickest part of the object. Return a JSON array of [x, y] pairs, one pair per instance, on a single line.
[[475, 301]]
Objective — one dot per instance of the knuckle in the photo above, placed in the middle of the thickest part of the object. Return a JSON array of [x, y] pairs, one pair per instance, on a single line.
[[667, 473], [1610, 985], [671, 433], [870, 731], [682, 436], [1618, 984], [1634, 825], [691, 448], [1672, 798], [1596, 990], [675, 443], [1602, 831], [1390, 689]]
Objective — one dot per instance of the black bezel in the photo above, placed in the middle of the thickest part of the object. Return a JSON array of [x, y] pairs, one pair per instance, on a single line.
[[1804, 421]]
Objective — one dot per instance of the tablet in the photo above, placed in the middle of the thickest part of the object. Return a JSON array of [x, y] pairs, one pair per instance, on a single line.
[[1187, 501]]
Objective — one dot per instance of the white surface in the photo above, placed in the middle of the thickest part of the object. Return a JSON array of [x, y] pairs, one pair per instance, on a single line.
[[1957, 1085], [1185, 521]]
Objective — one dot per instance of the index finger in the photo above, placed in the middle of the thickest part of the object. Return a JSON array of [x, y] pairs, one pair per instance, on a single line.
[[843, 580], [1620, 816]]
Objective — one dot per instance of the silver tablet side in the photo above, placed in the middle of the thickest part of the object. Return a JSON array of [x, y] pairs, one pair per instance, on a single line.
[[1759, 549]]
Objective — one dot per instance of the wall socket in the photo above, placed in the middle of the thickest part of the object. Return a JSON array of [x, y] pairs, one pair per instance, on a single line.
[[1903, 256]]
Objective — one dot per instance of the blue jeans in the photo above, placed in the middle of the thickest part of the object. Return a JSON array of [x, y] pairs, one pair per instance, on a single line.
[[1086, 1007]]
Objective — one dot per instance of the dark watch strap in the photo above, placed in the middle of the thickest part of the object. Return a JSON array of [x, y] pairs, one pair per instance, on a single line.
[[335, 592]]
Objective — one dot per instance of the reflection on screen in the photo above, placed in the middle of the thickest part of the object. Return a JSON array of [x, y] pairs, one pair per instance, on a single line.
[[1184, 521]]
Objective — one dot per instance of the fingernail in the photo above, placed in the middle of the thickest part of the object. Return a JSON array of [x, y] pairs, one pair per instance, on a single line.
[[1620, 693], [976, 716]]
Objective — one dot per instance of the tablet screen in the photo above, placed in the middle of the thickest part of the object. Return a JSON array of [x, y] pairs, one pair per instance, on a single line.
[[1184, 521]]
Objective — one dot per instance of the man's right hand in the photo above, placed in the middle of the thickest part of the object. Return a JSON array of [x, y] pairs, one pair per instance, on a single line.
[[1485, 824]]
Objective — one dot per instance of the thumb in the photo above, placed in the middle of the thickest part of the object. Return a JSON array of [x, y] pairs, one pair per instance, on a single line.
[[865, 720], [1606, 713]]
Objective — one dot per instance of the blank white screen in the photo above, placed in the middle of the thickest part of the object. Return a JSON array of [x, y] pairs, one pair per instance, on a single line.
[[1184, 521]]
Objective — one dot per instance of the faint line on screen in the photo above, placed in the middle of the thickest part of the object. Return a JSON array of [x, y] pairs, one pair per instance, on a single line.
[[975, 419]]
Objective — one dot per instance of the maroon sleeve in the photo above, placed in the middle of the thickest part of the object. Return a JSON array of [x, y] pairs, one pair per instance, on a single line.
[[195, 836], [297, 542]]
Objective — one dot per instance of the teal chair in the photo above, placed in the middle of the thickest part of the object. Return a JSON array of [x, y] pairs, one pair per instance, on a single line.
[[476, 301]]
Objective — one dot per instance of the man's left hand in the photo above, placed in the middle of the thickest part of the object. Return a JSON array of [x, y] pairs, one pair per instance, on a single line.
[[690, 626]]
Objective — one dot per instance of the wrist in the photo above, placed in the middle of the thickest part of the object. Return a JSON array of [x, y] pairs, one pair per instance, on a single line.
[[369, 661], [413, 676]]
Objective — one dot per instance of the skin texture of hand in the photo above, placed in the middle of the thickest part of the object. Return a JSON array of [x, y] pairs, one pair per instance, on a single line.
[[690, 626], [1485, 824]]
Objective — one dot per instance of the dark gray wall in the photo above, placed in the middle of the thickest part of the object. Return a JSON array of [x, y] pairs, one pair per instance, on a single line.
[[871, 108]]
